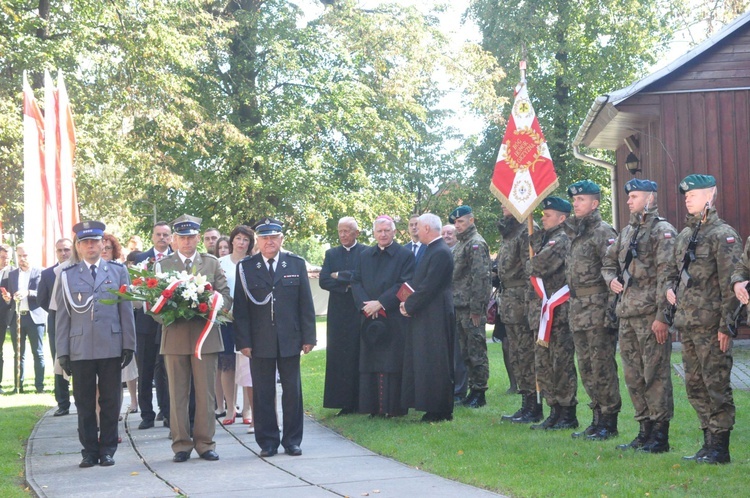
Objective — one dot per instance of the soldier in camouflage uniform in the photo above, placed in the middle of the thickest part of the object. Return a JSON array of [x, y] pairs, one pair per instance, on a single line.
[[471, 292], [593, 334], [511, 272], [646, 248], [555, 363], [704, 299]]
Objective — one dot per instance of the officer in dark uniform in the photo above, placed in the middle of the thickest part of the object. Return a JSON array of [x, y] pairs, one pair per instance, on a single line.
[[94, 341], [274, 320]]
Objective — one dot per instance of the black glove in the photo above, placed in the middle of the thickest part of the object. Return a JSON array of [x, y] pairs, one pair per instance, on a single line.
[[64, 363], [127, 357]]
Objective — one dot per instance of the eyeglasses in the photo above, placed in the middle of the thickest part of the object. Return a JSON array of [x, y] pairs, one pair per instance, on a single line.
[[107, 248]]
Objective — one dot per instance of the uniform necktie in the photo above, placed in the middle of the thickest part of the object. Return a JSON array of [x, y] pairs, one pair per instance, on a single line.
[[93, 272], [159, 256], [270, 268], [188, 265]]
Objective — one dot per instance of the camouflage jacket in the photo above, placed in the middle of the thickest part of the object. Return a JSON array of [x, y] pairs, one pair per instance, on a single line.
[[709, 299], [590, 238], [471, 272], [511, 269], [742, 269], [645, 294]]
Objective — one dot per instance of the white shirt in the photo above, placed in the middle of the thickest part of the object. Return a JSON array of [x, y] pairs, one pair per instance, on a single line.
[[183, 257], [275, 261], [23, 284]]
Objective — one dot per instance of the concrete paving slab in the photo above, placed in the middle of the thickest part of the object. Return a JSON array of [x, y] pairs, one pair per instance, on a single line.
[[412, 486]]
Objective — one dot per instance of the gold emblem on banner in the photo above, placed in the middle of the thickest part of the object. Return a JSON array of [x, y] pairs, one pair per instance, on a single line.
[[524, 151]]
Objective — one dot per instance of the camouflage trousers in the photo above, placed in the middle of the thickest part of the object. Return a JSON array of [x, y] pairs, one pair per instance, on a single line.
[[473, 343], [647, 369], [595, 349], [556, 369], [521, 351], [707, 377]]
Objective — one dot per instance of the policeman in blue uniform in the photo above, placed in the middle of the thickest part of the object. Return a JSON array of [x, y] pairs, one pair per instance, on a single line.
[[94, 341]]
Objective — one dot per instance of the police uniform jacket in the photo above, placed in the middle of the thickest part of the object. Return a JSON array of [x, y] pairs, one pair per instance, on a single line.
[[278, 328], [86, 328], [181, 336]]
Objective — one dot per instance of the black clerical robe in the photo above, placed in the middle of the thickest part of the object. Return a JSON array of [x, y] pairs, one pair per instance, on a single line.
[[378, 276], [428, 352], [342, 329]]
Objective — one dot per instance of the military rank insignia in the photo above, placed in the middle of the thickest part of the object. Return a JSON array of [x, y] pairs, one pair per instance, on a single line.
[[257, 265], [283, 264]]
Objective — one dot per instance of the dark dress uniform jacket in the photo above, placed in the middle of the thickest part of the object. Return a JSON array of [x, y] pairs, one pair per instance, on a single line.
[[428, 362], [342, 350], [294, 312]]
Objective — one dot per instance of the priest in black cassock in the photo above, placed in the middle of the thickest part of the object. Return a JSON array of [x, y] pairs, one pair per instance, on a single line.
[[428, 352], [380, 272], [344, 320]]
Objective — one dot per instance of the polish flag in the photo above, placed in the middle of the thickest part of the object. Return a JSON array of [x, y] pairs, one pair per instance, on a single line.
[[524, 174], [33, 168]]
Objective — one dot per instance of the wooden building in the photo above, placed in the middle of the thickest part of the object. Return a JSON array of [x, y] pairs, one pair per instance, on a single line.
[[692, 116]]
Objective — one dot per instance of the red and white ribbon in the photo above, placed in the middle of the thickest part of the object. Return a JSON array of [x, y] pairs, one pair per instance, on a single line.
[[159, 304], [548, 308], [216, 303]]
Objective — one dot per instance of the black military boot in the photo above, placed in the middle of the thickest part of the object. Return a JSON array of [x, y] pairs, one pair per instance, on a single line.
[[658, 442], [643, 435], [718, 450], [704, 449], [568, 419], [607, 428], [519, 411], [534, 411], [591, 428], [475, 400], [549, 422]]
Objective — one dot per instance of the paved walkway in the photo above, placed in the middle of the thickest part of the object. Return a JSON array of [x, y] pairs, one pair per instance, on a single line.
[[331, 465], [740, 368]]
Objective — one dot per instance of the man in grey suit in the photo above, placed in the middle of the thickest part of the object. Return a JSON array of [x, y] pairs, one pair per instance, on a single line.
[[23, 283], [95, 341], [178, 342], [274, 320]]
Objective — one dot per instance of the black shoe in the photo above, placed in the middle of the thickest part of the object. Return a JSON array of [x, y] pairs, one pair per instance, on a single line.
[[165, 422], [524, 407], [146, 424], [106, 461], [644, 433], [533, 412], [437, 417], [210, 455], [88, 461], [293, 450], [704, 449], [658, 441], [567, 420], [159, 417], [607, 428], [458, 399], [549, 422], [475, 399], [718, 451], [268, 452], [181, 456], [60, 412], [591, 429], [221, 415], [346, 411]]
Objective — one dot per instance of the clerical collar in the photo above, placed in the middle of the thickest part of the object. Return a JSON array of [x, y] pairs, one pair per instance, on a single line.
[[350, 247]]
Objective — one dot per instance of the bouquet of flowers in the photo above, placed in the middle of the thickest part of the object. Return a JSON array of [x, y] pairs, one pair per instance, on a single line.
[[171, 296]]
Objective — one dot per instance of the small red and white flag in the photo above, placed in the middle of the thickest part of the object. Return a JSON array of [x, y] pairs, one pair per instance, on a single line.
[[547, 312], [524, 174]]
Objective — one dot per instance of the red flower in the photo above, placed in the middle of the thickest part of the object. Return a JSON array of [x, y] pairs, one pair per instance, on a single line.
[[151, 283], [208, 287], [167, 293], [202, 307], [138, 281], [123, 289]]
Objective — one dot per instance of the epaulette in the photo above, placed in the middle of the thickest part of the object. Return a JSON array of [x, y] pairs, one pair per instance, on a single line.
[[116, 263], [70, 267], [210, 256], [291, 254]]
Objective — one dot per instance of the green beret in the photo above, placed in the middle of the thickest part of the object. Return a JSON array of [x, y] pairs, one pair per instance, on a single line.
[[458, 212], [557, 204], [584, 187], [638, 185], [694, 182]]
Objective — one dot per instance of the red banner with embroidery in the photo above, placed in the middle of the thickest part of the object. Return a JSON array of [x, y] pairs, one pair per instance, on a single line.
[[524, 174], [548, 309]]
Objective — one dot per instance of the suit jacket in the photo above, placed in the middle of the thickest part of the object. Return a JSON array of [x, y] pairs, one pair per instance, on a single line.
[[46, 284], [38, 315], [293, 322], [420, 251], [181, 336], [5, 308], [97, 331], [151, 253], [144, 323]]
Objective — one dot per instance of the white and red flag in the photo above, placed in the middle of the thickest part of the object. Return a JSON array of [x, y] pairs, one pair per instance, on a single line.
[[50, 200], [524, 174]]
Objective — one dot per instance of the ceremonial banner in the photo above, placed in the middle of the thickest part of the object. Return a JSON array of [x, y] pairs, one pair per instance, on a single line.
[[67, 196], [524, 174], [33, 166]]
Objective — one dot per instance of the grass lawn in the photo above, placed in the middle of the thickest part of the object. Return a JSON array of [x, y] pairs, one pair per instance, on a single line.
[[478, 449]]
